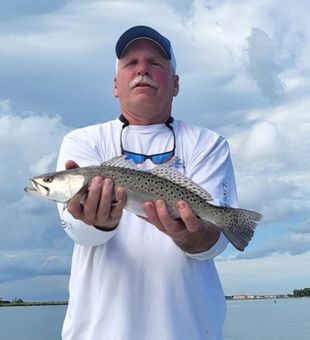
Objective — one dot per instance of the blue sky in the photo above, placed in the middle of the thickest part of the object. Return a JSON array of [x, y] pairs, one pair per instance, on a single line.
[[244, 72]]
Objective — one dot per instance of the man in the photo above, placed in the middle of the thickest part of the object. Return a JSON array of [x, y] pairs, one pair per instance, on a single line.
[[153, 278]]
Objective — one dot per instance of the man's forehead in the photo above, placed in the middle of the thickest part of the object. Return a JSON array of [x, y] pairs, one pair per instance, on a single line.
[[143, 45]]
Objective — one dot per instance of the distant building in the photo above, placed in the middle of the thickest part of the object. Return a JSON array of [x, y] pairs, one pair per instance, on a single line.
[[256, 297]]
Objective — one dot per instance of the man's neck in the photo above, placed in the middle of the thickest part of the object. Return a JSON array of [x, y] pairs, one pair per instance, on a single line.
[[141, 119]]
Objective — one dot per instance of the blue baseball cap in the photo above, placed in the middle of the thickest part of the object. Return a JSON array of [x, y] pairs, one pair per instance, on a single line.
[[145, 32]]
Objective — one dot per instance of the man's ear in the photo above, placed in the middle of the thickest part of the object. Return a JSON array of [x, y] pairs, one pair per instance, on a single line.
[[115, 89], [176, 85]]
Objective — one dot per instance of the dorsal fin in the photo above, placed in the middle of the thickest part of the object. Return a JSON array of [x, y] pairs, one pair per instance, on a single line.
[[121, 162], [168, 171]]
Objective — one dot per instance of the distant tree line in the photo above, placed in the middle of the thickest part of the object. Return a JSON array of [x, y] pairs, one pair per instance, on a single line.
[[15, 301], [20, 302], [301, 292]]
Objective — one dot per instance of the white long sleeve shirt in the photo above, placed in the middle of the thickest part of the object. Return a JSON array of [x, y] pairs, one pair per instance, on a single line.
[[134, 283]]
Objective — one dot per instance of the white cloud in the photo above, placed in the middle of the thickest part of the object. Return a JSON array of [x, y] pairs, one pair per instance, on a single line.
[[33, 262], [270, 275], [262, 141], [210, 39], [263, 64], [5, 107], [27, 142], [302, 227], [289, 244], [36, 288], [30, 228], [270, 154], [43, 164]]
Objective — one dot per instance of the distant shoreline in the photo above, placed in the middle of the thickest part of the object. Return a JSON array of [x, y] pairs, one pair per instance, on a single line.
[[251, 298], [227, 298], [33, 303]]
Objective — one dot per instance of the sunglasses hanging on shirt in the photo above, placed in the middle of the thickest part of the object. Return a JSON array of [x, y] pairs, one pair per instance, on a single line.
[[139, 158]]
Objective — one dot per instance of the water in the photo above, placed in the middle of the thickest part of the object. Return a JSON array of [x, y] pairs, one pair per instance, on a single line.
[[31, 323], [246, 320], [265, 320]]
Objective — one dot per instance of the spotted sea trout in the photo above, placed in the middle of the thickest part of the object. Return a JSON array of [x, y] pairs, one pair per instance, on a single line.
[[162, 182]]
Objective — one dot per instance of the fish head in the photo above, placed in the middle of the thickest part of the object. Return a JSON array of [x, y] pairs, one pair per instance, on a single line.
[[57, 187]]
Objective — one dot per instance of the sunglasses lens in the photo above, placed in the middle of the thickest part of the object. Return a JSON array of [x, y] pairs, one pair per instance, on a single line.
[[141, 158], [162, 158], [138, 159]]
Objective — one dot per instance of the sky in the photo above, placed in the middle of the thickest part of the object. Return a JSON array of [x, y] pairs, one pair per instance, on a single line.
[[244, 72]]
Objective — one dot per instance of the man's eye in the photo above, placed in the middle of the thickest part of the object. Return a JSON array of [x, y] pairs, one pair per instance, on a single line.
[[131, 62], [156, 63]]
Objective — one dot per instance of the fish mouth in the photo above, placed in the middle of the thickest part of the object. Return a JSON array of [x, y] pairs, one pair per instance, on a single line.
[[38, 188]]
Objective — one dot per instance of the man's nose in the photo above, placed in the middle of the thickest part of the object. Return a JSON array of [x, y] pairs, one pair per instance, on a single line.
[[143, 68]]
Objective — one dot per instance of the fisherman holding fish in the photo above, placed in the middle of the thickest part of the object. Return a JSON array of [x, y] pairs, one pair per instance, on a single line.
[[149, 202]]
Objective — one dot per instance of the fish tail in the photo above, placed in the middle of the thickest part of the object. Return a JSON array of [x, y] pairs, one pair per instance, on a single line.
[[238, 225]]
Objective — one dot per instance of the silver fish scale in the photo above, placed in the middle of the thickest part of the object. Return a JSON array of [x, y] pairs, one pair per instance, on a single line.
[[156, 186], [159, 187], [176, 177]]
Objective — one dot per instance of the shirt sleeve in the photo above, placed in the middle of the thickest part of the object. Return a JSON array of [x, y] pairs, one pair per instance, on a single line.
[[83, 151], [212, 168], [82, 233], [215, 250]]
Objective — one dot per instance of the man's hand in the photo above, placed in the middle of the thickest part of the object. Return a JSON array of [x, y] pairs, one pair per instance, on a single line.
[[97, 209], [190, 233]]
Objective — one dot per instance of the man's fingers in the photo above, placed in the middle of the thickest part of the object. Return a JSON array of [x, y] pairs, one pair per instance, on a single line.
[[107, 212], [117, 209], [97, 209], [170, 224], [75, 207], [93, 199], [159, 215], [152, 217], [187, 215]]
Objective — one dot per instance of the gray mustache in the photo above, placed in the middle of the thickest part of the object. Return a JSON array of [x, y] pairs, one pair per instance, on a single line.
[[146, 80]]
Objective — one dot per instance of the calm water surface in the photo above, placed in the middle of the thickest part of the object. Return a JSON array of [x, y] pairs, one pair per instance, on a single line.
[[287, 319], [31, 323]]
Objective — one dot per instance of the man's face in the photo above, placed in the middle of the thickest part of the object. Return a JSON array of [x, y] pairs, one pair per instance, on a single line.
[[149, 97]]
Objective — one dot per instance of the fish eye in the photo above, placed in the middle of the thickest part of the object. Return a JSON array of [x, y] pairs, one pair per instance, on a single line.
[[48, 179]]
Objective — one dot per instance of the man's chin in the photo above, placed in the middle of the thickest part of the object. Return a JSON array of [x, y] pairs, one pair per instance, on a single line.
[[144, 88]]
